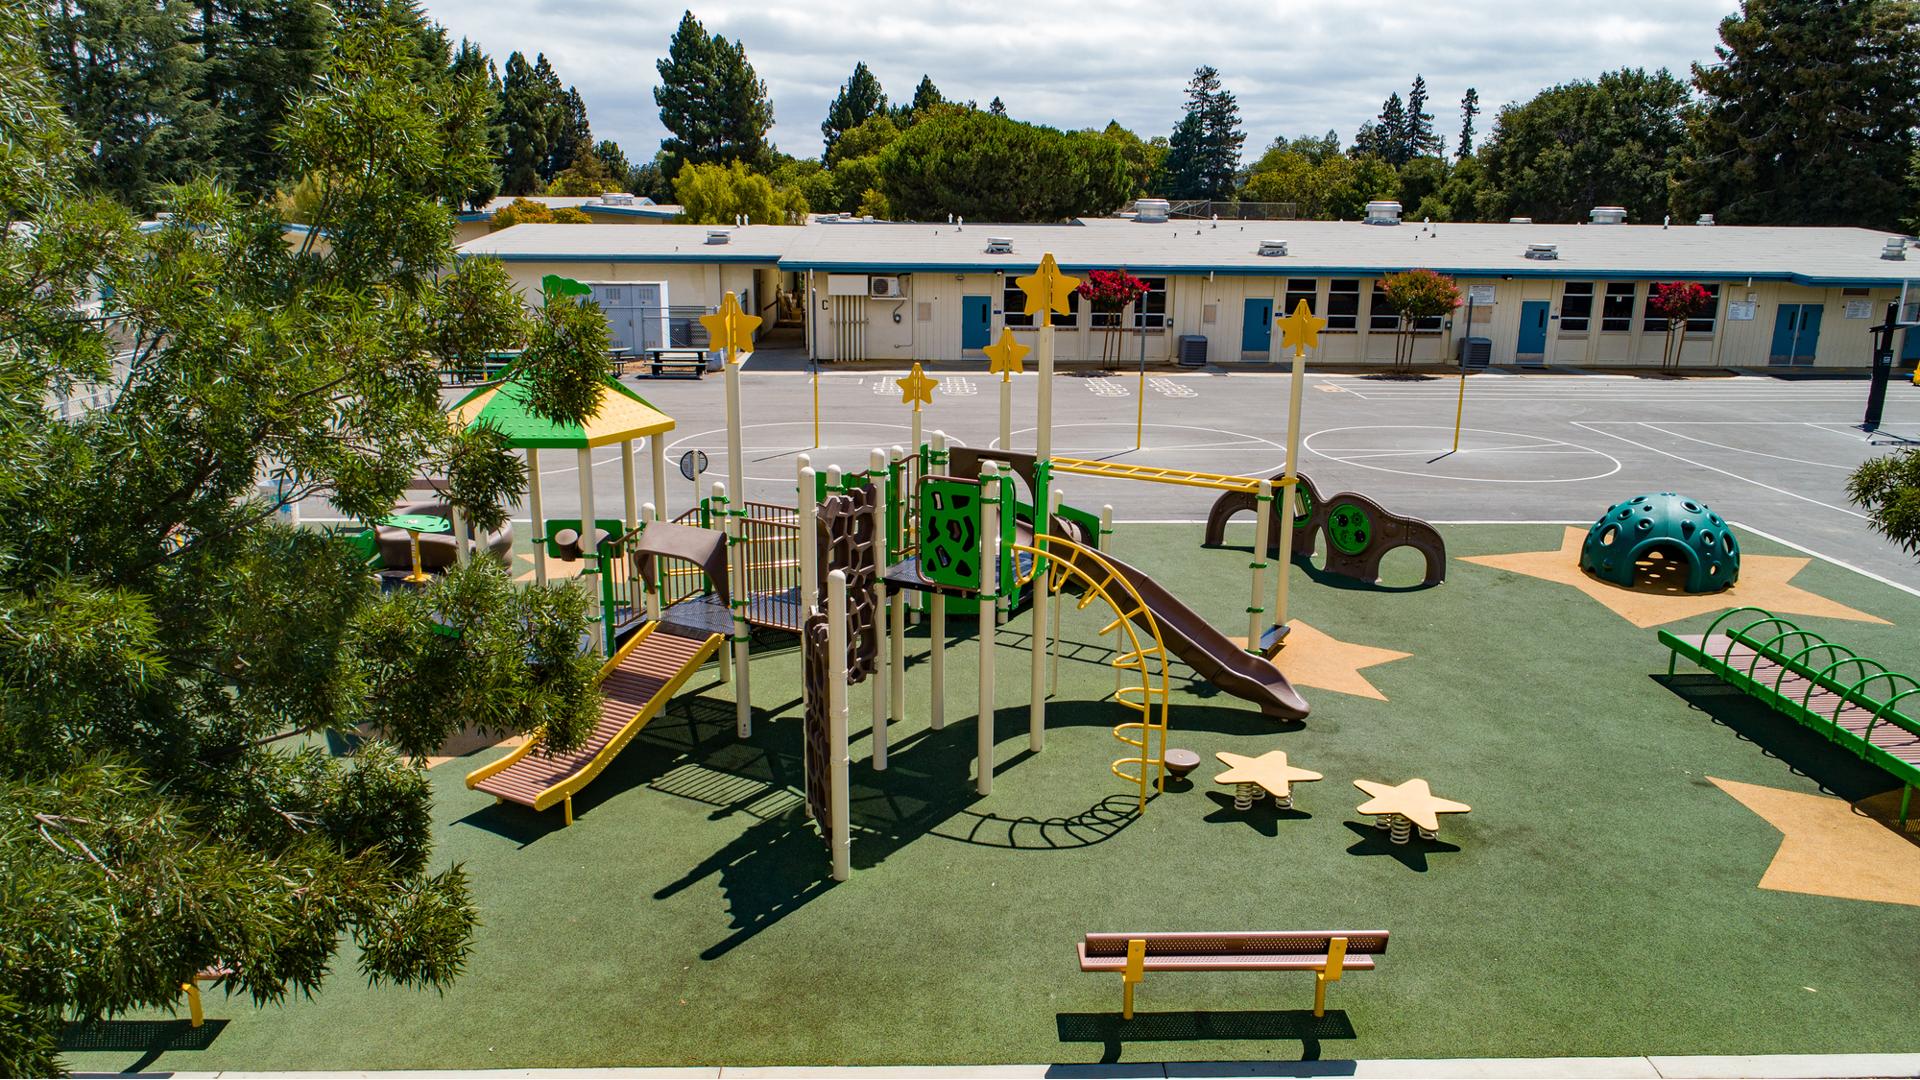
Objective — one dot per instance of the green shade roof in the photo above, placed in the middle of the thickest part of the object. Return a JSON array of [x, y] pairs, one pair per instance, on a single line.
[[622, 415]]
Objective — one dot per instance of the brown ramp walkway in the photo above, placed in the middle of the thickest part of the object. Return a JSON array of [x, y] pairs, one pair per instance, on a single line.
[[635, 685]]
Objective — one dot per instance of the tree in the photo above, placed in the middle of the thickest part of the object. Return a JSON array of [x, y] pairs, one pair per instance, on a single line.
[[1203, 154], [1419, 178], [165, 638], [988, 168], [1888, 489], [1108, 292], [925, 97], [860, 97], [1413, 296], [524, 211], [129, 78], [615, 159], [523, 120], [1676, 302], [588, 175], [811, 180], [714, 107], [997, 107], [1144, 158], [869, 137], [472, 65], [574, 140], [1612, 142], [255, 59], [1420, 137], [719, 194], [1808, 117], [1393, 134], [1335, 187], [1469, 108]]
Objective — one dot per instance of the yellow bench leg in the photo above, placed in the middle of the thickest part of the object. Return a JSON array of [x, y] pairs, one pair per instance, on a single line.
[[1136, 965], [195, 1016], [569, 805], [1336, 964]]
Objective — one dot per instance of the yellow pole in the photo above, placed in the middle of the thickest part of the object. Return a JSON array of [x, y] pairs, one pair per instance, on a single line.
[[1140, 412], [1459, 410], [816, 408]]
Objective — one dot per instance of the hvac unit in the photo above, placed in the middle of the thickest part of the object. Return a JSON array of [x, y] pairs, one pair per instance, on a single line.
[[1476, 351], [1272, 248], [884, 288], [1543, 251], [1193, 350], [1151, 211], [999, 245]]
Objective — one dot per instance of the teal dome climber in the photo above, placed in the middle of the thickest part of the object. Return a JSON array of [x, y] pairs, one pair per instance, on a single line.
[[1630, 532]]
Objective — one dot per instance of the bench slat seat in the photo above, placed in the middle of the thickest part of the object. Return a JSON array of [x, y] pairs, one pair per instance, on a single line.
[[1326, 953]]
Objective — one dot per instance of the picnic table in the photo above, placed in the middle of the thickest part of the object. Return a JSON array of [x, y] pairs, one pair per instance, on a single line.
[[680, 359]]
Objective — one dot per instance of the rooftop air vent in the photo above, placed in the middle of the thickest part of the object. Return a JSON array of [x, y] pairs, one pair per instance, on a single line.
[[1273, 248], [999, 245], [717, 236], [616, 198], [1152, 211], [1705, 219], [1383, 212], [1608, 215], [1543, 251], [1895, 248], [1519, 221]]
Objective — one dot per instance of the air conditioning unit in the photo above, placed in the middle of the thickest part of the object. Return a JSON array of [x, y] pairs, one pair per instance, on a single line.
[[1543, 251], [999, 245], [884, 288], [1272, 248]]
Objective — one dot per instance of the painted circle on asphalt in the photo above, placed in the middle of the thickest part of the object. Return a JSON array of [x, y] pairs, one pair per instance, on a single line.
[[1485, 456], [1176, 446]]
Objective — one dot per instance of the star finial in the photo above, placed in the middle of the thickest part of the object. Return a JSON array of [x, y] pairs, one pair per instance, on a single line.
[[1300, 331], [730, 330], [1005, 355], [916, 388], [1047, 288]]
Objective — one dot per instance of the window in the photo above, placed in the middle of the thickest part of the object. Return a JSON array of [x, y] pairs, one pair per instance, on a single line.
[[1343, 304], [1150, 311], [1699, 324], [1299, 289], [1379, 315], [1616, 310], [1576, 307], [1014, 300]]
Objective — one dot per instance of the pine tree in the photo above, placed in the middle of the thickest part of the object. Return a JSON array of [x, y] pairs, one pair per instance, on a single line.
[[1395, 136], [1469, 108], [1808, 117], [926, 96], [1420, 139], [556, 117], [574, 139], [714, 107], [256, 57], [615, 159], [996, 106], [859, 98], [127, 75], [1203, 153], [523, 117]]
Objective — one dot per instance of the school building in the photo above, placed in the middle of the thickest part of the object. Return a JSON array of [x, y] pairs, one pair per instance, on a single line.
[[1550, 295]]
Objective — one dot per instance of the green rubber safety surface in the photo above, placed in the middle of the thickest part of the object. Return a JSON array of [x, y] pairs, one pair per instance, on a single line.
[[1601, 898]]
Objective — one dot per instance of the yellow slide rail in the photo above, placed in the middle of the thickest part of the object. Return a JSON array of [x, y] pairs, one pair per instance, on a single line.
[[1115, 470], [1145, 656], [564, 791]]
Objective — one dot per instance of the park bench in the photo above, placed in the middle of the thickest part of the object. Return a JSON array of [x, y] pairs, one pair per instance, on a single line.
[[1852, 700], [682, 361], [1326, 953]]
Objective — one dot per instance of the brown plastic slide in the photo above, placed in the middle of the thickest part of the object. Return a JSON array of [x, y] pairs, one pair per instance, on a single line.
[[1210, 653]]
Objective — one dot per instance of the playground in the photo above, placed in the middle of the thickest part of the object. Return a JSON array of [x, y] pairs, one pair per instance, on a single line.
[[1664, 816]]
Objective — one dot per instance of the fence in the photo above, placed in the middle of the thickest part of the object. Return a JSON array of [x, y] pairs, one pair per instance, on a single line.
[[1233, 211]]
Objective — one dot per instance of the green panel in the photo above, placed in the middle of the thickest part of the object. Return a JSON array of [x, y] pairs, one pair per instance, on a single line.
[[613, 527], [950, 532], [1350, 528]]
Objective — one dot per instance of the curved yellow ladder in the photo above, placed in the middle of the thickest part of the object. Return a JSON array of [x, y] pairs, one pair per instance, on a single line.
[[1137, 657]]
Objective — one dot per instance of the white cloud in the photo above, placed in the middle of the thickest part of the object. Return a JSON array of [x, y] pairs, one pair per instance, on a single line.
[[1297, 67]]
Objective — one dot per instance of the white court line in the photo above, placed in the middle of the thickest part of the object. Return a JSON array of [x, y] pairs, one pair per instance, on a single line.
[[1723, 472], [1755, 453], [1802, 548]]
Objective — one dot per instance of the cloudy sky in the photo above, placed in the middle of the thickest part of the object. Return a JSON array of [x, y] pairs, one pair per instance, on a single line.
[[1297, 67]]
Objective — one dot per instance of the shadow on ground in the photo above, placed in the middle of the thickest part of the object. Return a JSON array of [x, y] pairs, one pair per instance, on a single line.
[[1266, 1025], [148, 1038]]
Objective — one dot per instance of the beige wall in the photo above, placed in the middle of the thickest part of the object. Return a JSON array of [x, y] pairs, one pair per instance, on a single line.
[[688, 284]]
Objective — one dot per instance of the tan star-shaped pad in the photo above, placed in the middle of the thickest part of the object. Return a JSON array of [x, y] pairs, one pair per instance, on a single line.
[[1314, 659], [557, 569], [1270, 770], [1412, 800], [1764, 582], [1830, 848]]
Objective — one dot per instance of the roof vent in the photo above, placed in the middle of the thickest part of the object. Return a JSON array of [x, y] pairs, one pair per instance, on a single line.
[[1896, 249], [616, 198], [1543, 251], [1705, 219], [1273, 248], [1519, 221], [717, 236], [1608, 215], [1152, 211], [1383, 212], [999, 245]]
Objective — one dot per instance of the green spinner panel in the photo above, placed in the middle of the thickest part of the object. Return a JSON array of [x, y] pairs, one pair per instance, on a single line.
[[950, 532]]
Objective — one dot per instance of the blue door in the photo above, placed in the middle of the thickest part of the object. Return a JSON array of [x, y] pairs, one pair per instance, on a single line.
[[1910, 345], [1256, 330], [1533, 328], [1796, 332], [976, 321]]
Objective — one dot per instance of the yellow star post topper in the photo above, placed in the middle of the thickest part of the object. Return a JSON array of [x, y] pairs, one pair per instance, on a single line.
[[1047, 288], [730, 330], [916, 388], [1300, 331], [1005, 355]]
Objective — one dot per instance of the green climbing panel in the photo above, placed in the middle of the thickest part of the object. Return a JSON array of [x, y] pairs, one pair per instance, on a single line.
[[950, 532], [1350, 528]]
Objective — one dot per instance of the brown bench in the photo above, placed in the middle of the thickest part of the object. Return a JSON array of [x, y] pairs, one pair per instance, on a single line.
[[1326, 953]]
